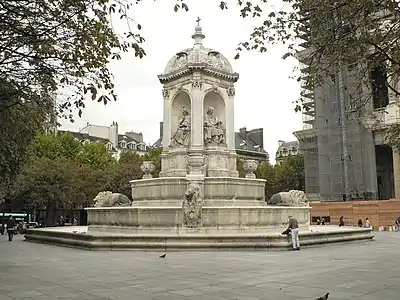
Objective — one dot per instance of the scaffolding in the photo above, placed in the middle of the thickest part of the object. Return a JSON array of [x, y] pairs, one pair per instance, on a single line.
[[340, 159]]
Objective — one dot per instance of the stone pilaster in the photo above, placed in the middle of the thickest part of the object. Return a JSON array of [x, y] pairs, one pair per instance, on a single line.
[[230, 120], [197, 117], [396, 174], [167, 119]]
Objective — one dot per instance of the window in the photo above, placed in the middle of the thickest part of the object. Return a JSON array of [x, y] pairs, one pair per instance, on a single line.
[[109, 146], [123, 145], [380, 93]]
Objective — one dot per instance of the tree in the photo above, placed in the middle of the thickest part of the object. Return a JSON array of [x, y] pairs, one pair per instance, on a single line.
[[239, 167], [280, 178], [356, 39], [50, 46], [46, 183], [337, 33], [154, 155], [18, 128], [91, 182], [290, 174], [128, 168], [392, 136], [267, 171], [61, 173], [53, 146], [65, 145], [96, 156], [120, 175]]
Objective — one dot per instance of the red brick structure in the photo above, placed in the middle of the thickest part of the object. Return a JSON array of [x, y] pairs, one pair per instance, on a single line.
[[379, 212]]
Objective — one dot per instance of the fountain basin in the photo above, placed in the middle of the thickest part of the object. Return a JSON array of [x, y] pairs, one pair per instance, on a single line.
[[80, 237]]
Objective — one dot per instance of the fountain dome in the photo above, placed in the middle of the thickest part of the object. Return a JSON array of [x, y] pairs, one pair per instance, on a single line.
[[198, 57]]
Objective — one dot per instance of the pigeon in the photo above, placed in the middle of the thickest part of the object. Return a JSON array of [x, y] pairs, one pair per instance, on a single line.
[[325, 297], [163, 255]]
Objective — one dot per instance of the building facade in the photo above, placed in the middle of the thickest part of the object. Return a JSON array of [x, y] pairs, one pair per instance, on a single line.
[[345, 154], [249, 144], [285, 150], [109, 135]]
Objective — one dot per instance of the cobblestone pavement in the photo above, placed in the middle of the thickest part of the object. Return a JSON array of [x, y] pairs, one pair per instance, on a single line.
[[366, 270]]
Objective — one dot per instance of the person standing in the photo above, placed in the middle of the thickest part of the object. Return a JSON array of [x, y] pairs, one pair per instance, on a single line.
[[294, 230], [10, 228], [360, 222], [367, 223], [341, 221]]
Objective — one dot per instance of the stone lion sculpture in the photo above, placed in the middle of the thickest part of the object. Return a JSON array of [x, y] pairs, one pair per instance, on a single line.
[[192, 206], [110, 199], [291, 198]]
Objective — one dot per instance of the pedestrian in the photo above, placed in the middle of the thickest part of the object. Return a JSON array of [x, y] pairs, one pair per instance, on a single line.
[[294, 230], [360, 222], [367, 223], [341, 221], [397, 223], [322, 221], [10, 227]]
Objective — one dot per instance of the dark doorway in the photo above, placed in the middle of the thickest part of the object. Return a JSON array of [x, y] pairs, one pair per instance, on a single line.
[[384, 172]]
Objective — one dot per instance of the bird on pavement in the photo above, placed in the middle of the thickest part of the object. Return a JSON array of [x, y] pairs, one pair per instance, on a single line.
[[163, 255], [325, 297]]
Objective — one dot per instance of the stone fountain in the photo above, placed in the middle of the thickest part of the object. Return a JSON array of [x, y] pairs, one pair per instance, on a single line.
[[198, 154], [198, 201]]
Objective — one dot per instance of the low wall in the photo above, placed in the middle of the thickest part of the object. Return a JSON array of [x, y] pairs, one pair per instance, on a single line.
[[162, 241], [173, 188], [381, 213], [213, 217]]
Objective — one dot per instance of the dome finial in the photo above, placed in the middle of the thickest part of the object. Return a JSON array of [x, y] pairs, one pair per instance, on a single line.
[[198, 35]]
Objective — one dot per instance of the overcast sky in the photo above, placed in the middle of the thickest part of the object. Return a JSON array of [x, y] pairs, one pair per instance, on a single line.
[[264, 92]]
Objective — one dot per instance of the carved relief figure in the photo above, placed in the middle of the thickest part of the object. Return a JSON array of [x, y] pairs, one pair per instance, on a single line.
[[215, 60], [213, 128], [181, 60], [192, 206], [182, 133]]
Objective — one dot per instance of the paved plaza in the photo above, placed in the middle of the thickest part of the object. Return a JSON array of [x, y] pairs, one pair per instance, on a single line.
[[366, 270]]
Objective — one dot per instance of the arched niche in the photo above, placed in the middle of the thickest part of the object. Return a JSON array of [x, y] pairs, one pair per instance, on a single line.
[[181, 99], [215, 100]]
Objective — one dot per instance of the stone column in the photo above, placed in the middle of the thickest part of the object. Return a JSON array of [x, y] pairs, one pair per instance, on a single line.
[[230, 119], [167, 119], [197, 115], [396, 174], [166, 133], [230, 132]]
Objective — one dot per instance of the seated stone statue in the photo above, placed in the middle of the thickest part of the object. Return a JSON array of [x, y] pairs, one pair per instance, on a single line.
[[182, 133], [213, 128], [110, 199], [291, 198]]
